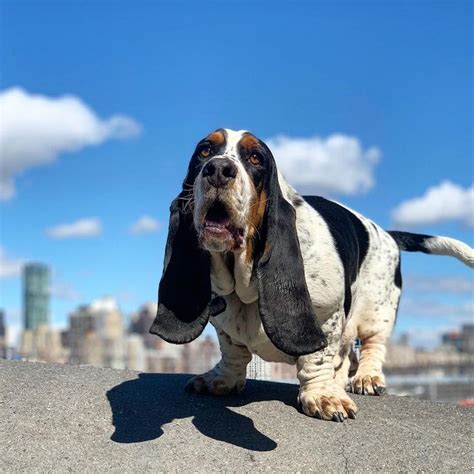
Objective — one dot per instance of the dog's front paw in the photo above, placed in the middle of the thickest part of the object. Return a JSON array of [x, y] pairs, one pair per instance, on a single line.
[[327, 403], [215, 384], [368, 383]]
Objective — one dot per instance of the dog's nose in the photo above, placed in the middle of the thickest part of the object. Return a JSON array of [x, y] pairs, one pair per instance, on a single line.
[[219, 172]]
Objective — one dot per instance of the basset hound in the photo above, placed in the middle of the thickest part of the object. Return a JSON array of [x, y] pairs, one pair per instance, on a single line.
[[290, 278]]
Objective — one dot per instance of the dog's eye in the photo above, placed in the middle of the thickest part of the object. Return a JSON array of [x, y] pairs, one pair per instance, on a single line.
[[255, 159], [205, 152]]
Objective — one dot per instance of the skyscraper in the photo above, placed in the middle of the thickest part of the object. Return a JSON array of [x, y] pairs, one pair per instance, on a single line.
[[96, 335], [3, 336], [2, 323], [35, 295]]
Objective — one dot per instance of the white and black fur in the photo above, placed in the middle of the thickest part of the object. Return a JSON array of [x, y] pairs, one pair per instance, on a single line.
[[290, 278]]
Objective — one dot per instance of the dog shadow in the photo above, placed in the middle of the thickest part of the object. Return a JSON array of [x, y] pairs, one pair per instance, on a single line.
[[140, 407]]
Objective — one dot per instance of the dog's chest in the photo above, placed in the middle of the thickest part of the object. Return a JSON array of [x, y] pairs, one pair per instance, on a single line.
[[243, 324]]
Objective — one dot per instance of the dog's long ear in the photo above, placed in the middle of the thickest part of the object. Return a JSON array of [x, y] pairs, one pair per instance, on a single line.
[[185, 287], [284, 302]]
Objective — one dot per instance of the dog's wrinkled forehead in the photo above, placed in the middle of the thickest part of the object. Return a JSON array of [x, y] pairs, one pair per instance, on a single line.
[[227, 141], [233, 139], [249, 154]]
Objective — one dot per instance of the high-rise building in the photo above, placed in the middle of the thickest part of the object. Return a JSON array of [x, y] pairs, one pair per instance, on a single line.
[[136, 353], [259, 369], [468, 338], [3, 336], [453, 340], [35, 295], [42, 343], [141, 322], [205, 355], [96, 335]]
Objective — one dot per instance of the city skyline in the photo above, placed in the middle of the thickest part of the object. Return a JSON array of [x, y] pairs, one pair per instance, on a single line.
[[99, 334], [364, 103], [108, 303]]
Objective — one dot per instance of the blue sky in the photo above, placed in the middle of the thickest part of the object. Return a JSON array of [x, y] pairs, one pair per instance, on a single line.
[[393, 77]]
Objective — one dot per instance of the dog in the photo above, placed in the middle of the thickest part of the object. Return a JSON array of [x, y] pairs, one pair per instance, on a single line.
[[290, 278]]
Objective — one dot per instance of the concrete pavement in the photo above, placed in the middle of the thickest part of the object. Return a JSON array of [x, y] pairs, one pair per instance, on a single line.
[[59, 418]]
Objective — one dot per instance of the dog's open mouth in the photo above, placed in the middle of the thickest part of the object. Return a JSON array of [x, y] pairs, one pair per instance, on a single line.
[[217, 217], [218, 223]]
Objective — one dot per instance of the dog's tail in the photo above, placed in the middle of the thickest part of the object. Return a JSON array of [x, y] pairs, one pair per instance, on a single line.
[[435, 245]]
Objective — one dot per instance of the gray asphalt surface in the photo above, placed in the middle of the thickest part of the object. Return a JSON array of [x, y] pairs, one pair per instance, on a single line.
[[59, 418]]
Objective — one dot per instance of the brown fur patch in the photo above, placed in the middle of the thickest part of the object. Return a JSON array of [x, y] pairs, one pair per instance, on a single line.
[[248, 142], [259, 200], [257, 211], [325, 402], [216, 138]]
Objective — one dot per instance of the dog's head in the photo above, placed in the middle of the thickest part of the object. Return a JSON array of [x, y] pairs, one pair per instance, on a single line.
[[230, 190], [231, 201]]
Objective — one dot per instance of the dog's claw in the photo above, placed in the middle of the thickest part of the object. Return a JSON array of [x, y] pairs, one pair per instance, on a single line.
[[379, 390], [373, 385]]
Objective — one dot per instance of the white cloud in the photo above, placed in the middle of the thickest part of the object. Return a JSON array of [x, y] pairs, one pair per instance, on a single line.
[[439, 284], [337, 164], [456, 313], [145, 225], [90, 227], [442, 203], [9, 266], [36, 129]]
